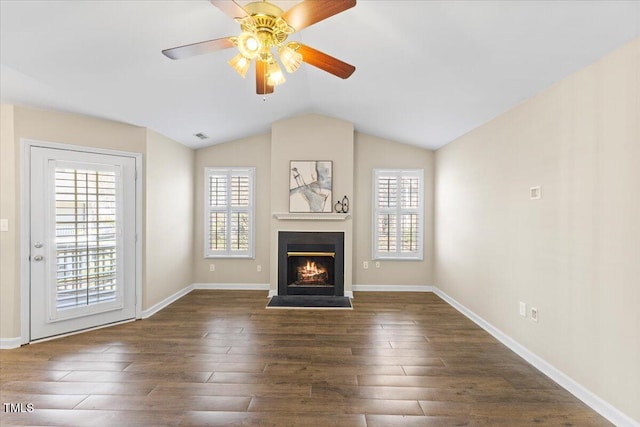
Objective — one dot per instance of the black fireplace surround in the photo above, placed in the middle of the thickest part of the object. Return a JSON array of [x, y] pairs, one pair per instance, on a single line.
[[310, 263]]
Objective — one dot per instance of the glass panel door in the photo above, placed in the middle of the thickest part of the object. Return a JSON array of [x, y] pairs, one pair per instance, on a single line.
[[83, 240]]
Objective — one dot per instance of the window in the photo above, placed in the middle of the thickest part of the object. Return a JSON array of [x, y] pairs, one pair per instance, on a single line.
[[398, 213], [229, 212], [86, 234]]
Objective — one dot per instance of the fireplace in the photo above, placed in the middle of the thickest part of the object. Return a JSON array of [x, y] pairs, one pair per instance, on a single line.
[[310, 263], [309, 269]]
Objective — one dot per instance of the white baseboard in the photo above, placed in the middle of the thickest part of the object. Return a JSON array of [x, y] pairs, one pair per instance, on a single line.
[[162, 304], [392, 288], [233, 286], [9, 343], [599, 405], [211, 286]]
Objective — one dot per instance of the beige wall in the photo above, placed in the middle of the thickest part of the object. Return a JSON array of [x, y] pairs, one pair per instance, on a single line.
[[311, 137], [9, 271], [74, 129], [250, 152], [371, 153], [168, 264], [575, 253]]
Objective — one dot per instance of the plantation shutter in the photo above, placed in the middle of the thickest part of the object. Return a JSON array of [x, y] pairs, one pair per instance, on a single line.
[[86, 224], [229, 212], [398, 214]]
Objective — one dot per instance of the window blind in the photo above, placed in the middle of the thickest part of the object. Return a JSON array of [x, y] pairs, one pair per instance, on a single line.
[[86, 218], [398, 214], [229, 212]]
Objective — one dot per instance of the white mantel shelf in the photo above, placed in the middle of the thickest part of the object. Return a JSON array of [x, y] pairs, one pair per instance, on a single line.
[[311, 216]]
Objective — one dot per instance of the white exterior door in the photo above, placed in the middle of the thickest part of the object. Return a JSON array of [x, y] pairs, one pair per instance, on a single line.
[[82, 237]]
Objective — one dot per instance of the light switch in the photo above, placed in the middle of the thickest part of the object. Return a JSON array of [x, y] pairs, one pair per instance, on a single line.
[[4, 225], [523, 309]]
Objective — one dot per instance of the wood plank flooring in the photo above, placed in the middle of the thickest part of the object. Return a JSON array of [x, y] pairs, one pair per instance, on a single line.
[[219, 358]]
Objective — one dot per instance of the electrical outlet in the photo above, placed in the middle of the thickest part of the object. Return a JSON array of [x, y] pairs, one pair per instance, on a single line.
[[535, 193], [523, 309], [534, 314], [377, 264], [4, 225], [259, 268], [365, 264], [212, 267]]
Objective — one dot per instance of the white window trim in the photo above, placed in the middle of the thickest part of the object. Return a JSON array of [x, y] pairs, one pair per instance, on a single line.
[[230, 171], [406, 256]]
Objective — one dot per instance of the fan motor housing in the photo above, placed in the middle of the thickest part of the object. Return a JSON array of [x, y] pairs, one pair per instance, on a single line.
[[265, 22], [263, 8]]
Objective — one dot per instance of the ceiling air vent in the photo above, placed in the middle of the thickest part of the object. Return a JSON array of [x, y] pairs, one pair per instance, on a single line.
[[201, 135]]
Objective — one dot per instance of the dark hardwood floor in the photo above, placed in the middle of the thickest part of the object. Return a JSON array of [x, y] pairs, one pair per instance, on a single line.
[[220, 358]]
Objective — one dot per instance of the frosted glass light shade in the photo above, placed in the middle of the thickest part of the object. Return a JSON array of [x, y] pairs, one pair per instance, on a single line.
[[290, 59], [240, 64], [275, 76], [248, 45]]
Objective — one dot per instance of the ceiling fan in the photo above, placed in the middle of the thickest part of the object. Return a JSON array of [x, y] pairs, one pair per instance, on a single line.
[[265, 28]]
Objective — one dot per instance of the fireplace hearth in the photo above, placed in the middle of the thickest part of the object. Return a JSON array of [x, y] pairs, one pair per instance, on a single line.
[[310, 263]]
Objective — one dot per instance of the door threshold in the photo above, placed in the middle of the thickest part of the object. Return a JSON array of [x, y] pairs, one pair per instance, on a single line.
[[68, 334]]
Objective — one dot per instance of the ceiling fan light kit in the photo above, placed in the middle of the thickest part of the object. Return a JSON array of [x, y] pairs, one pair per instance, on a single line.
[[274, 74], [248, 44], [264, 30], [241, 64], [289, 57]]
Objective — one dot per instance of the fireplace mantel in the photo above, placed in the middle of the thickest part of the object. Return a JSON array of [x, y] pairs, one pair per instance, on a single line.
[[311, 216]]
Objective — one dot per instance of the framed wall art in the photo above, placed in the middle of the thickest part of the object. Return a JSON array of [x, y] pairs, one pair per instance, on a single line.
[[310, 186]]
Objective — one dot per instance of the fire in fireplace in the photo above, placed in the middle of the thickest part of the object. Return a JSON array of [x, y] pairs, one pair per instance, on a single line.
[[312, 274], [311, 263], [310, 268]]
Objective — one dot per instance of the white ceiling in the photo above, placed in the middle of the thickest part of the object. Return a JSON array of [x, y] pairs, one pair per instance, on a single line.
[[427, 71]]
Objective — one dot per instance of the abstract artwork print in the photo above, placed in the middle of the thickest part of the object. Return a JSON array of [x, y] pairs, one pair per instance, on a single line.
[[310, 186]]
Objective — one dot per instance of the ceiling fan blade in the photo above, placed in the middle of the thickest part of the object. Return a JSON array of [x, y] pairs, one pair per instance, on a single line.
[[262, 87], [325, 62], [194, 49], [230, 7], [309, 12]]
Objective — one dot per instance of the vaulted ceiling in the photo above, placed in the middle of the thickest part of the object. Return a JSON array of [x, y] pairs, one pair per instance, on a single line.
[[427, 71]]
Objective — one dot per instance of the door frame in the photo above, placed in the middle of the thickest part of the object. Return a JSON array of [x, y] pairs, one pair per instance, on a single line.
[[25, 215]]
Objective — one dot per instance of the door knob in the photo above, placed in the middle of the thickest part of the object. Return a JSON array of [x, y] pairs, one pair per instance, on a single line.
[[38, 258]]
